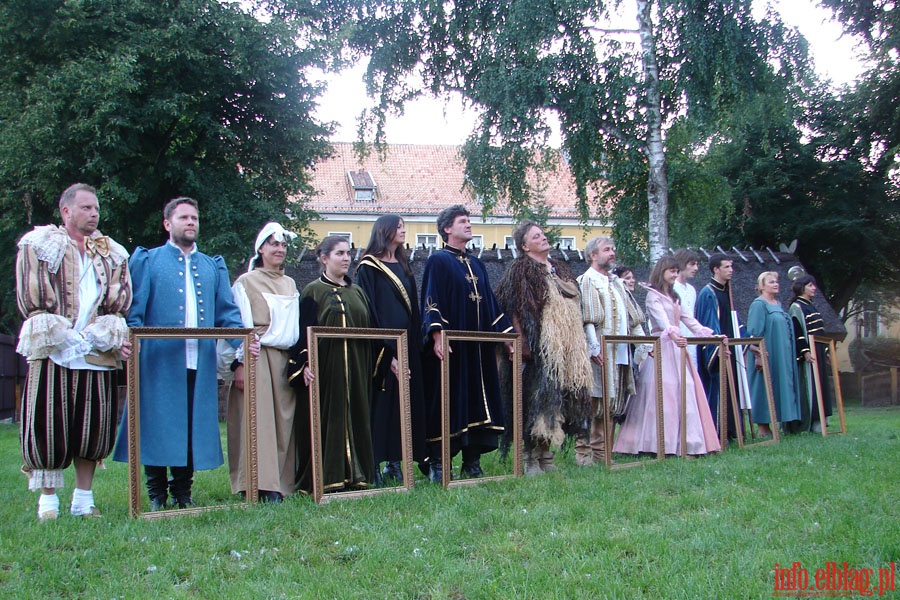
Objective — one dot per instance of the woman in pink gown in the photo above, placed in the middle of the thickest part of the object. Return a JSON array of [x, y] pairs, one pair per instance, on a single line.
[[638, 432]]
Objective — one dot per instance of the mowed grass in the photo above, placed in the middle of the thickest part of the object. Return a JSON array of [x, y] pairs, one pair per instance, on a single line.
[[708, 528]]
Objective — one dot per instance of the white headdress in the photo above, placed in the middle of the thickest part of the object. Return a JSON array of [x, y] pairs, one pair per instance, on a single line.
[[270, 229]]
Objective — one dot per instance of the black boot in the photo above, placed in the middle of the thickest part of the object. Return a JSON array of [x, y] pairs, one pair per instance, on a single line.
[[471, 465], [157, 487], [436, 473], [180, 486], [392, 470]]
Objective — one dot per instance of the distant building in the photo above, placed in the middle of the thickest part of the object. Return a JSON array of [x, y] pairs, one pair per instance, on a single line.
[[417, 182]]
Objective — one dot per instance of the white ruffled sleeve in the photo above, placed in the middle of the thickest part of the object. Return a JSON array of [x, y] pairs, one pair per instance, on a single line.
[[41, 334], [106, 332]]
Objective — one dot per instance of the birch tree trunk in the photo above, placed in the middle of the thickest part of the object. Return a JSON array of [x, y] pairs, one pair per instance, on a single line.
[[657, 184]]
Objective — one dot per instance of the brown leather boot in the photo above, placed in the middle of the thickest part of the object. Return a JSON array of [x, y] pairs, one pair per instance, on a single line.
[[547, 459], [583, 455]]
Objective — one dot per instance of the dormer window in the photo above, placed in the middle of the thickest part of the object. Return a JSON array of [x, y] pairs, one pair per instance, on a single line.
[[363, 185]]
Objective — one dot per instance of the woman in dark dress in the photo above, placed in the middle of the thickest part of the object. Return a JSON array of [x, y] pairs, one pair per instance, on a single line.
[[385, 275], [345, 368]]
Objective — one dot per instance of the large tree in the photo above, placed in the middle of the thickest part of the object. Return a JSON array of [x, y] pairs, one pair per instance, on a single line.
[[150, 99], [523, 63], [802, 161]]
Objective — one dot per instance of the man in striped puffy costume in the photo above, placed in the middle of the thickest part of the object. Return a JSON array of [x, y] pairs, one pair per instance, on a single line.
[[73, 288]]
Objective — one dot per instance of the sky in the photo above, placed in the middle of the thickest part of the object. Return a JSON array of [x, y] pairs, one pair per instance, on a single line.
[[431, 121]]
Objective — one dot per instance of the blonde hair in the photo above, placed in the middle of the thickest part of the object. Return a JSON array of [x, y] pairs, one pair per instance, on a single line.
[[762, 279]]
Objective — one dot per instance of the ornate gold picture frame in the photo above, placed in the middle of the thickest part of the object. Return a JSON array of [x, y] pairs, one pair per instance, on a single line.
[[136, 335], [357, 333], [608, 426], [475, 337]]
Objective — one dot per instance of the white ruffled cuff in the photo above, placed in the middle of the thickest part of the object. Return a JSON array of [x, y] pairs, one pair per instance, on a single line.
[[72, 348], [43, 478], [594, 349], [41, 334], [106, 332]]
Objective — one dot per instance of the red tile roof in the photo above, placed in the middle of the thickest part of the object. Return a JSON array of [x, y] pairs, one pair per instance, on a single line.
[[418, 179]]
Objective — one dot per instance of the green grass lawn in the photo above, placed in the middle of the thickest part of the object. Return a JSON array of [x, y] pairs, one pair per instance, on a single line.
[[708, 528]]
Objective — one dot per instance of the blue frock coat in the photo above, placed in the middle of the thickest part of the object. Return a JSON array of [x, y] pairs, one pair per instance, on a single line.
[[159, 301]]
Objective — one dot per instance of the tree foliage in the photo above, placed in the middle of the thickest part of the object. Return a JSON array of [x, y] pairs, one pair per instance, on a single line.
[[798, 160], [756, 150], [148, 100], [525, 63]]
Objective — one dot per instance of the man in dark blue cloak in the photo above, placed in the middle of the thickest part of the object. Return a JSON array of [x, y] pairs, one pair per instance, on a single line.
[[456, 295]]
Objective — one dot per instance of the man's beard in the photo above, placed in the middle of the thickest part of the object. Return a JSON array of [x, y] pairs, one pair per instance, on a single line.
[[183, 240]]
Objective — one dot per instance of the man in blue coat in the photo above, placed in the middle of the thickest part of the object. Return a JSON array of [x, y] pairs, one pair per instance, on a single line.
[[713, 309], [177, 286]]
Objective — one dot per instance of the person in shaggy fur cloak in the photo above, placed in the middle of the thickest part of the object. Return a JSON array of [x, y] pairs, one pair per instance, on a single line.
[[542, 297]]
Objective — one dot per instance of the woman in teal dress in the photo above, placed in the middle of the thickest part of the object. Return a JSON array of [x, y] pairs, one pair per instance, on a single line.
[[345, 370], [769, 321]]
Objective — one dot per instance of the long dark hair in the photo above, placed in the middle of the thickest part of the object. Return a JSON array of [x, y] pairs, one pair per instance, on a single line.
[[658, 283], [383, 232], [798, 285]]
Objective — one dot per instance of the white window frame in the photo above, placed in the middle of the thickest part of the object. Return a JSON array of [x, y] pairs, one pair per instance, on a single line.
[[565, 241], [477, 241], [422, 239], [364, 194]]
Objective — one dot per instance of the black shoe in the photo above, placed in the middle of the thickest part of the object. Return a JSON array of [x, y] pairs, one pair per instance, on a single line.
[[158, 504], [392, 470], [273, 497], [472, 469], [436, 473], [184, 502]]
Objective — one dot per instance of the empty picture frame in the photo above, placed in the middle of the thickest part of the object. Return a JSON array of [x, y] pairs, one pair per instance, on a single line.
[[819, 384], [315, 420], [605, 340], [136, 335], [477, 337], [732, 407], [698, 341]]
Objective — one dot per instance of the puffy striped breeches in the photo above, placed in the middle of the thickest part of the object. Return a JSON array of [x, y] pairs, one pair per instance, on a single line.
[[67, 414]]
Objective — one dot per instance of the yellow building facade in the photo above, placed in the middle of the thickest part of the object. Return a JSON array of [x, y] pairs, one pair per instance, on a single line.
[[417, 182], [423, 231]]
